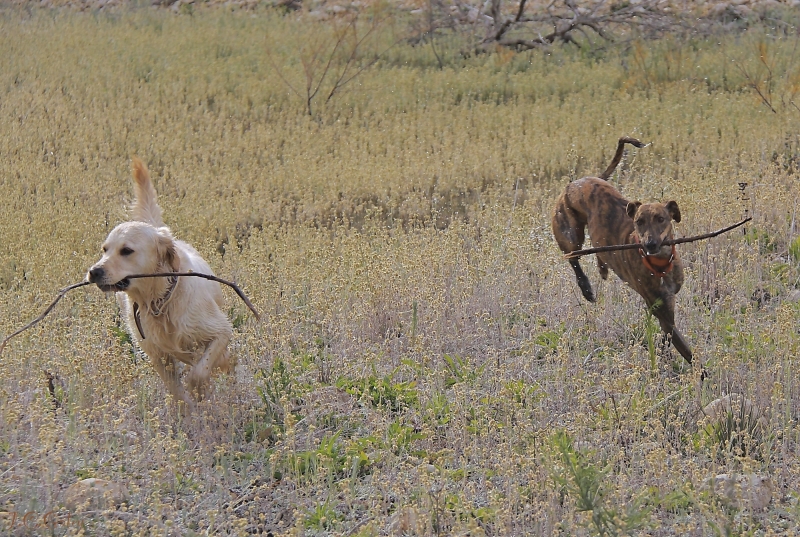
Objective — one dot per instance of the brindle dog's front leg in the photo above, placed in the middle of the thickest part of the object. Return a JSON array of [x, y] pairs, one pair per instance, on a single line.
[[665, 313], [583, 281]]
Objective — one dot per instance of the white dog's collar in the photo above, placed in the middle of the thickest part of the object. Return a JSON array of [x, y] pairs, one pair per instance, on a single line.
[[156, 307]]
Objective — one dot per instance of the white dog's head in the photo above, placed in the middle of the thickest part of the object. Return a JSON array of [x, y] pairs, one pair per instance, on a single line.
[[134, 248]]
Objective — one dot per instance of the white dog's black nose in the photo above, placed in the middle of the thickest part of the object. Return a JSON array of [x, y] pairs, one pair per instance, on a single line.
[[96, 274]]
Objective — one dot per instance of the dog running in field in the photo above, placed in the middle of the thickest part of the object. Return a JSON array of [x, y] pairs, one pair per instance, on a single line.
[[177, 322], [654, 270]]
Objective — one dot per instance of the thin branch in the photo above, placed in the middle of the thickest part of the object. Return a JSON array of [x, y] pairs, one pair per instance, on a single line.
[[361, 70], [433, 48], [65, 290], [507, 24], [520, 11], [565, 17], [207, 277], [670, 242], [762, 53], [338, 84], [340, 39], [280, 74], [43, 315], [753, 84], [431, 34]]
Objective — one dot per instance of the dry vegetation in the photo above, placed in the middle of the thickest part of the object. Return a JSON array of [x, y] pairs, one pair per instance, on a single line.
[[426, 363]]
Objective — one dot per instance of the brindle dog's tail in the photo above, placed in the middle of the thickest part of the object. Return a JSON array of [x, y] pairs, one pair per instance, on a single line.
[[618, 155]]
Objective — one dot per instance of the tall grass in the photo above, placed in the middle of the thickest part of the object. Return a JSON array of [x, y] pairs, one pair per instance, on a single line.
[[398, 244]]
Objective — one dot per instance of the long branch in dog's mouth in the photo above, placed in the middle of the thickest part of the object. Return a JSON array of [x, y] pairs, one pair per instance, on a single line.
[[119, 286]]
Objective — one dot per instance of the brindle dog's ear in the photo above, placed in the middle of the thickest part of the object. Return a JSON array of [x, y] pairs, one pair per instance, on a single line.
[[672, 209], [167, 254], [632, 208]]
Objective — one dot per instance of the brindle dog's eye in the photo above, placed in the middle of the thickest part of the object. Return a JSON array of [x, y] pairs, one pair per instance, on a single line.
[[126, 251], [660, 219], [640, 222]]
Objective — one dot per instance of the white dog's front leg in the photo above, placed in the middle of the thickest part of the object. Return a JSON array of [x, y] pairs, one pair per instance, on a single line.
[[215, 355], [169, 372]]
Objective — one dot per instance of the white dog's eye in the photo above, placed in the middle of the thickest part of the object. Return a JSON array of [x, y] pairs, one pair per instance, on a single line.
[[126, 251]]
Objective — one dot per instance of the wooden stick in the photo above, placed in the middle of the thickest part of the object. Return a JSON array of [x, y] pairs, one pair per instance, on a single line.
[[65, 290], [670, 242], [207, 277], [43, 315]]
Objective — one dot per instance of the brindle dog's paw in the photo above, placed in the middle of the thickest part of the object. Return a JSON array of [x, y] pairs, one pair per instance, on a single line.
[[587, 292]]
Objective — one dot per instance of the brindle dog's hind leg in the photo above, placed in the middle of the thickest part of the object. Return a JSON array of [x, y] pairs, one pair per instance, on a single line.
[[583, 280], [569, 232], [602, 267]]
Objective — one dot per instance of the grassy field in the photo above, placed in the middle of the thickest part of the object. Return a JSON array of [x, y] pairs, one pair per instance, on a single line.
[[425, 363]]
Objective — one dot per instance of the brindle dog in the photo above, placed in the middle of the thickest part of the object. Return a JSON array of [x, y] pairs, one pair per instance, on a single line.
[[654, 271]]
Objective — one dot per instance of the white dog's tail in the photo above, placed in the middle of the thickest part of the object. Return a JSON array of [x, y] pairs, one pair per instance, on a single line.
[[145, 208]]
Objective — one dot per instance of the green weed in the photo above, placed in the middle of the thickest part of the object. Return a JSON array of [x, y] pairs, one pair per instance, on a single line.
[[382, 392], [577, 478], [459, 370], [323, 517]]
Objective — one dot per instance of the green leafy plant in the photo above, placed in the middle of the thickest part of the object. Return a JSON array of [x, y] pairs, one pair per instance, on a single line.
[[238, 317], [521, 393], [329, 460], [322, 517], [738, 429], [124, 339], [546, 343], [578, 478], [761, 239], [794, 249], [382, 392], [464, 512], [277, 390], [437, 410], [458, 369], [399, 438]]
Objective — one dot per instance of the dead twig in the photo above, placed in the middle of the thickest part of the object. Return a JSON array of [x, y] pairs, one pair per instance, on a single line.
[[65, 290], [43, 315], [670, 242], [207, 277], [754, 84]]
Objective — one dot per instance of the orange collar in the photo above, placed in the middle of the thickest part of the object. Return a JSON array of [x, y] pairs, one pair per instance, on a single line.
[[657, 266]]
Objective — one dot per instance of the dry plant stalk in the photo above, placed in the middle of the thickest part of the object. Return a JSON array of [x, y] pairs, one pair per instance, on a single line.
[[530, 26], [316, 67], [670, 242], [65, 290]]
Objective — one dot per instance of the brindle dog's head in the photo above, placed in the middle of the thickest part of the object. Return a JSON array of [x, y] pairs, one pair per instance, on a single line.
[[653, 224]]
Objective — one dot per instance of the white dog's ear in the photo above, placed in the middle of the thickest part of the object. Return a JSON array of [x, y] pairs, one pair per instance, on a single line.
[[167, 253]]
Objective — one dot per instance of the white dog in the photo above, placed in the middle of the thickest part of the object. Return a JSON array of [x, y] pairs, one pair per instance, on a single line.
[[175, 320]]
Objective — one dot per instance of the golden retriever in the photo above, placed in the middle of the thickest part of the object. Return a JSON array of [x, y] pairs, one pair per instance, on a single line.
[[178, 321]]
